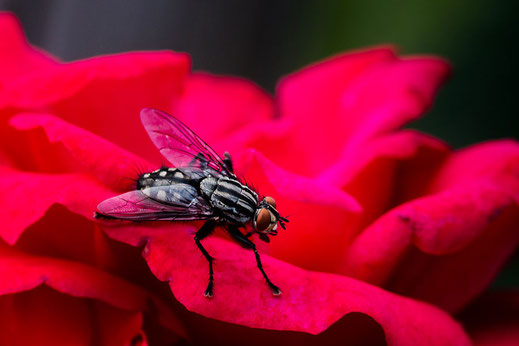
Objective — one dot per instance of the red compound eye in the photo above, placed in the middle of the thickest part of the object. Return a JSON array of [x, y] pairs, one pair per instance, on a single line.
[[263, 220], [271, 201]]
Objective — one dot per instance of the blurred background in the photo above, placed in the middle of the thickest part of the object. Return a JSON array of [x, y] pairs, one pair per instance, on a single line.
[[263, 40]]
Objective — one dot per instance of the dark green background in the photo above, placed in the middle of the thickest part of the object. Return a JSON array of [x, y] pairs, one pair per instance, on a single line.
[[479, 38], [264, 40]]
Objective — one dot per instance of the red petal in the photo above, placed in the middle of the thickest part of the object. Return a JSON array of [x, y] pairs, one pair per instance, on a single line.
[[337, 104], [296, 187], [497, 160], [29, 195], [440, 224], [215, 107], [22, 272], [99, 94], [86, 151], [386, 171], [17, 57], [52, 236], [390, 95], [118, 327], [322, 224], [447, 247], [403, 144], [45, 317], [494, 319], [310, 302], [317, 89], [319, 213], [353, 329]]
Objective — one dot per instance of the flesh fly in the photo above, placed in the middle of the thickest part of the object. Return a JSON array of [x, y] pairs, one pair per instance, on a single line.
[[200, 185]]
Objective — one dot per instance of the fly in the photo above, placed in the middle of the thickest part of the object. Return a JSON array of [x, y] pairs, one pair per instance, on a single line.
[[200, 186]]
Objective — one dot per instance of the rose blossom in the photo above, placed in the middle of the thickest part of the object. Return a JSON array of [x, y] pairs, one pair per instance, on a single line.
[[390, 229]]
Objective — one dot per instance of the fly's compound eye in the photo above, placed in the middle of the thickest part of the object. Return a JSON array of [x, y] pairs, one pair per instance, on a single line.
[[265, 221], [271, 201]]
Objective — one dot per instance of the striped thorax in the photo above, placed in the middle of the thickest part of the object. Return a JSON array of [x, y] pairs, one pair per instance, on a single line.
[[237, 202]]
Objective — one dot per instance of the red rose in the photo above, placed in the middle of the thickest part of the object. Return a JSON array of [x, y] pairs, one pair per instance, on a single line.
[[390, 230]]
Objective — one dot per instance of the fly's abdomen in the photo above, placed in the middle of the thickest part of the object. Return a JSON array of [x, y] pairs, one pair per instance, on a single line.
[[236, 201], [167, 176], [176, 194]]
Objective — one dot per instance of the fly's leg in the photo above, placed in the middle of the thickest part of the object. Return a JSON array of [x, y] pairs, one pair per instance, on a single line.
[[228, 161], [240, 238], [200, 158], [203, 232]]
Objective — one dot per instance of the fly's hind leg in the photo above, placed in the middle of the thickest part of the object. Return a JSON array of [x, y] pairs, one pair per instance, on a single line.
[[200, 158], [203, 232], [242, 239], [227, 161]]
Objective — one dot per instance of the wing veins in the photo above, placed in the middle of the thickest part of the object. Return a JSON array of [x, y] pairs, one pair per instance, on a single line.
[[186, 134]]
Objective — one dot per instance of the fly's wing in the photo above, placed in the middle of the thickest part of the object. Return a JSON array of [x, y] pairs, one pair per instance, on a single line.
[[178, 144], [178, 202]]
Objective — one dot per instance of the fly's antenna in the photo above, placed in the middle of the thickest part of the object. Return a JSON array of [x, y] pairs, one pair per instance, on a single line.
[[282, 220]]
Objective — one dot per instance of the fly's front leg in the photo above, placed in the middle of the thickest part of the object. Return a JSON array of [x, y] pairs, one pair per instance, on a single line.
[[242, 239], [203, 232], [228, 161]]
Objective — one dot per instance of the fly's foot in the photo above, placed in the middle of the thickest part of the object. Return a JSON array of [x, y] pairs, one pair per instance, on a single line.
[[209, 290], [275, 290]]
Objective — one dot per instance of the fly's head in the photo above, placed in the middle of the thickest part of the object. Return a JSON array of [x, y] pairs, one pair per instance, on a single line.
[[266, 219]]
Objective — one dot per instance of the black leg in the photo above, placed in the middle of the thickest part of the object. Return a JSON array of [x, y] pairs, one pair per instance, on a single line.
[[200, 158], [242, 239], [203, 232], [228, 161], [203, 161]]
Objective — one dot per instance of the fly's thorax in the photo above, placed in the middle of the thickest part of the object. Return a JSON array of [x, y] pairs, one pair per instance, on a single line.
[[237, 202], [208, 185]]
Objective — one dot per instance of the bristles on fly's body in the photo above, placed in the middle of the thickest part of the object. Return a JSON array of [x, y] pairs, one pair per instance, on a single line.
[[138, 172], [249, 184]]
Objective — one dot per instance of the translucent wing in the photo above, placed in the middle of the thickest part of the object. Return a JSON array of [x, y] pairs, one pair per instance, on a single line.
[[174, 202], [178, 144]]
